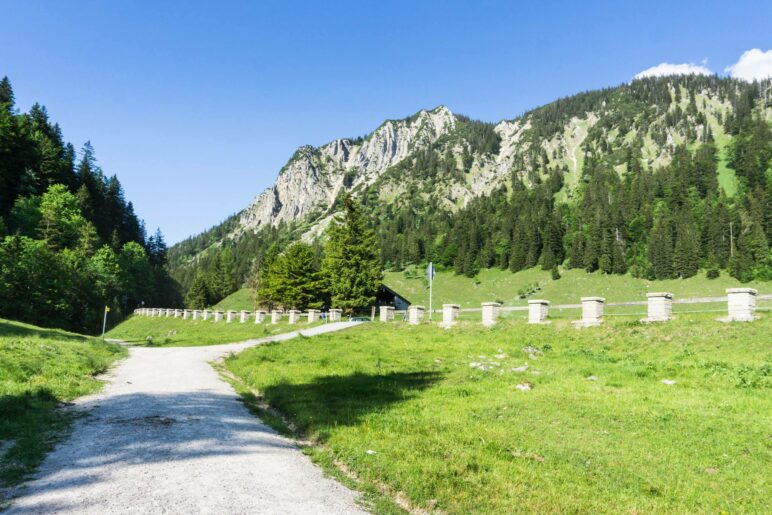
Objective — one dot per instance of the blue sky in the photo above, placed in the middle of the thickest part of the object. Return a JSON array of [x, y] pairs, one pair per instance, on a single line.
[[197, 105]]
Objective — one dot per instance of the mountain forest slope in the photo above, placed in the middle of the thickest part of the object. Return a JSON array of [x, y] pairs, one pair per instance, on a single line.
[[657, 178], [70, 242]]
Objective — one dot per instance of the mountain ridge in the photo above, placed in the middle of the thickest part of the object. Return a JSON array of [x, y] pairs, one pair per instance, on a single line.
[[444, 160]]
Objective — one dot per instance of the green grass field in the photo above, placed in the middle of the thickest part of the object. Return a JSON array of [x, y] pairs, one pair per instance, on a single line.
[[39, 370], [237, 301], [176, 332], [446, 417], [503, 286]]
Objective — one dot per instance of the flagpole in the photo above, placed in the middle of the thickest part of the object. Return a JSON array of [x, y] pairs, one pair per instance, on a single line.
[[431, 280], [104, 322]]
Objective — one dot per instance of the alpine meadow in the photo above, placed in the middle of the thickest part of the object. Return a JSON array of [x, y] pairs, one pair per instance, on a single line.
[[256, 283]]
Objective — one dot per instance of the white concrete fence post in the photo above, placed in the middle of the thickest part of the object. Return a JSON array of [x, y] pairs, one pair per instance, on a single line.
[[294, 316], [217, 316], [206, 314], [196, 314], [275, 316], [386, 313], [313, 315], [490, 313], [168, 312], [741, 304], [186, 314], [592, 312], [415, 314], [336, 314], [450, 314], [538, 311], [244, 316], [177, 313], [659, 307], [259, 316], [230, 316]]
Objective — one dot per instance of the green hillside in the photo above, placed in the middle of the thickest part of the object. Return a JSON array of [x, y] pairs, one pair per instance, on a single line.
[[39, 370], [237, 301], [503, 286]]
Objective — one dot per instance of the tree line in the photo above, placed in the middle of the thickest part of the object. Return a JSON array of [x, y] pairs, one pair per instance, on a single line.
[[70, 243], [623, 212], [344, 273]]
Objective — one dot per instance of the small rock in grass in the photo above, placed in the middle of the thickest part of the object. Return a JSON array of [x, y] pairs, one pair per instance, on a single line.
[[711, 471], [501, 356], [520, 369], [524, 387], [592, 378], [668, 382], [370, 451]]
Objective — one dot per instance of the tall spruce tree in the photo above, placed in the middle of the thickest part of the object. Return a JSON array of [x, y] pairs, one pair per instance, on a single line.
[[351, 266]]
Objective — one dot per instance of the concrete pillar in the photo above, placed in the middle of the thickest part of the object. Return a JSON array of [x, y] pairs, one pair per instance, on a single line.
[[538, 310], [217, 316], [592, 312], [660, 307], [294, 316], [741, 304], [206, 314], [415, 314], [313, 315], [177, 313], [230, 316], [244, 317], [186, 314], [196, 314], [335, 314], [386, 313], [275, 316], [259, 316], [490, 313], [167, 313], [450, 314]]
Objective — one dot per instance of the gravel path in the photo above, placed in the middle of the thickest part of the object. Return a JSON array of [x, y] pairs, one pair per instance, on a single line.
[[167, 435]]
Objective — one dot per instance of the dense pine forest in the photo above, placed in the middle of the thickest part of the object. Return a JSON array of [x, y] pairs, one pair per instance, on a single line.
[[70, 243], [674, 177]]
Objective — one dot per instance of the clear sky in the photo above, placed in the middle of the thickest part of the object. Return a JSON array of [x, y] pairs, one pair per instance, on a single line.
[[196, 105]]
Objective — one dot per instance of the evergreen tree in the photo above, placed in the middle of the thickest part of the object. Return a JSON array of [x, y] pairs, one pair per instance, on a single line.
[[294, 280], [351, 267], [686, 260], [198, 296], [661, 247]]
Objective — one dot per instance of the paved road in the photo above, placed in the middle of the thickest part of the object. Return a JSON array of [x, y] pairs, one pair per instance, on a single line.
[[167, 435]]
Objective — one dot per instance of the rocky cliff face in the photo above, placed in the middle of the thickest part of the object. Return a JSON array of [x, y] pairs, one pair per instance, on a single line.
[[313, 177], [437, 161]]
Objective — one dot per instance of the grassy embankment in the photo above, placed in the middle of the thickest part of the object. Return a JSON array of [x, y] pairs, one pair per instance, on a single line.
[[504, 286], [39, 370], [454, 427], [176, 332]]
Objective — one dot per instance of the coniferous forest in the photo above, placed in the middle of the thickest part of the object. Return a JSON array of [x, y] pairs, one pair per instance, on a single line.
[[70, 242], [651, 218]]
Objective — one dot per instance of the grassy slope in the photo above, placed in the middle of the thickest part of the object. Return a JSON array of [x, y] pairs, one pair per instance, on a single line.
[[468, 440], [241, 299], [176, 332], [501, 285], [39, 369]]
